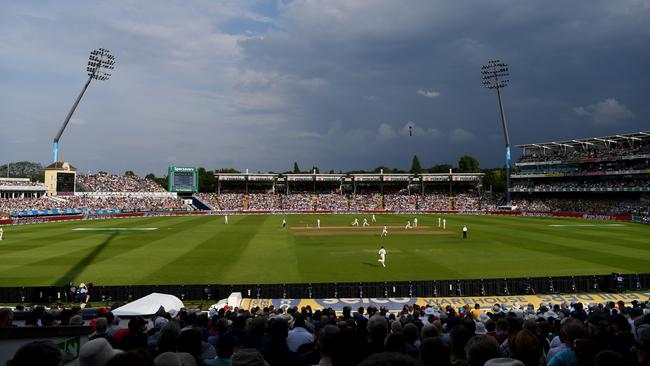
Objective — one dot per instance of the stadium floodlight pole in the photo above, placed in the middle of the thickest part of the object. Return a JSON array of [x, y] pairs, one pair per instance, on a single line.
[[99, 60], [495, 75]]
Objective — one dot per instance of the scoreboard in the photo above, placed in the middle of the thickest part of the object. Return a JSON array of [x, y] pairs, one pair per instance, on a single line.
[[65, 182], [182, 179]]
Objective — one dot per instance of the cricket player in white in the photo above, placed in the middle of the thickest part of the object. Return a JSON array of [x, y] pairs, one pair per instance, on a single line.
[[408, 225], [382, 256], [444, 224], [318, 223], [284, 223], [225, 219], [415, 222], [365, 222], [355, 222], [1, 233], [385, 231], [439, 222], [373, 218]]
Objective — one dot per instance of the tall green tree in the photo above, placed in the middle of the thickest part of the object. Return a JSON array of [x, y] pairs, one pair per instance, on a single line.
[[207, 182], [494, 180], [130, 173], [296, 170], [315, 168], [162, 181], [416, 168], [468, 164], [150, 176]]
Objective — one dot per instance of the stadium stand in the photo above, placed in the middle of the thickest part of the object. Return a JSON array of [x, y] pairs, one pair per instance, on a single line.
[[297, 202], [20, 187], [100, 192], [604, 175], [262, 201], [102, 182], [365, 201], [331, 202], [504, 334], [400, 201]]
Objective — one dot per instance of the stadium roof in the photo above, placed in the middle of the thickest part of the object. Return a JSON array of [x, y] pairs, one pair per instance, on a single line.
[[637, 136], [61, 165]]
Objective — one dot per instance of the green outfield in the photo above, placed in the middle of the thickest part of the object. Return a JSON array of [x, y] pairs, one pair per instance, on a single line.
[[256, 249]]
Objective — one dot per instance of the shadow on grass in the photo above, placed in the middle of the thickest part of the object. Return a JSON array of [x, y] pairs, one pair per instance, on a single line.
[[85, 261], [371, 264]]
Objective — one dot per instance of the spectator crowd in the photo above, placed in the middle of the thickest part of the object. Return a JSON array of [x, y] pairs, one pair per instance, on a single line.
[[89, 203], [103, 182], [584, 183], [560, 153], [506, 334]]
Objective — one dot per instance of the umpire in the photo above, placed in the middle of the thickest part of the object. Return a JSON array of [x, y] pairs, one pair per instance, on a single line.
[[464, 231]]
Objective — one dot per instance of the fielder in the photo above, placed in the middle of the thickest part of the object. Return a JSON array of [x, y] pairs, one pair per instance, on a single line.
[[439, 222], [444, 224], [415, 222], [385, 231], [464, 231], [355, 222], [373, 218], [284, 223], [318, 223], [382, 256], [365, 222], [1, 233], [408, 225], [225, 219]]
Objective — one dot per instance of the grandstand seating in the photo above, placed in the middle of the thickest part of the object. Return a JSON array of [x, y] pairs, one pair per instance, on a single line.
[[116, 183], [605, 175]]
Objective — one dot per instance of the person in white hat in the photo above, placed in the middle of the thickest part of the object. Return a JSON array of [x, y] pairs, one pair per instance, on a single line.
[[96, 353]]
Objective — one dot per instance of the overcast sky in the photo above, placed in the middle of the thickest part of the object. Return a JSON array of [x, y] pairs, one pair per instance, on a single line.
[[331, 83]]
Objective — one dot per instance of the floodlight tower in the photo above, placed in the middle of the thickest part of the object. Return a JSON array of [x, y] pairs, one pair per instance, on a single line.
[[99, 61], [495, 75]]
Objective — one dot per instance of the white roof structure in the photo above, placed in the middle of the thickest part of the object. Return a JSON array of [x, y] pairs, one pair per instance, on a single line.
[[149, 305]]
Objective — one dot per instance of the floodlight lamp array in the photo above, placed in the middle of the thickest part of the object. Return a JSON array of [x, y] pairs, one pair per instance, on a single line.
[[495, 74], [98, 61]]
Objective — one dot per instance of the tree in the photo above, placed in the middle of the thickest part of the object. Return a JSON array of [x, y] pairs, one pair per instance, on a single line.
[[130, 173], [150, 176], [332, 171], [206, 180], [440, 168], [315, 168], [468, 164], [23, 169], [495, 180], [162, 181], [416, 168], [296, 170]]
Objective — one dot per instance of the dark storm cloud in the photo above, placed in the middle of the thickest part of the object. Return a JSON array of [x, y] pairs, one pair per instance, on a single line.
[[334, 83], [565, 57]]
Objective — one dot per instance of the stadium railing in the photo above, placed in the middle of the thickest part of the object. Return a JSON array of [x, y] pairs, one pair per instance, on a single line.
[[503, 287]]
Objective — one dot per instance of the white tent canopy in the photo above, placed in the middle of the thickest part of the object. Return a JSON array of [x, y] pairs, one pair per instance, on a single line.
[[149, 305]]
